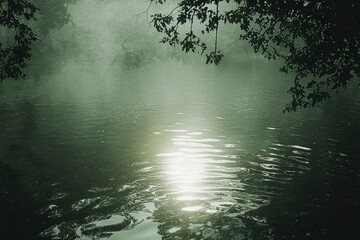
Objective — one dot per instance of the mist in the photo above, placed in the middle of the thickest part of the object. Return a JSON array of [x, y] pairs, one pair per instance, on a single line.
[[114, 135], [86, 47]]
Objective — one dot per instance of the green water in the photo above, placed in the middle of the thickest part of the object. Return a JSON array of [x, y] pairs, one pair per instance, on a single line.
[[175, 151]]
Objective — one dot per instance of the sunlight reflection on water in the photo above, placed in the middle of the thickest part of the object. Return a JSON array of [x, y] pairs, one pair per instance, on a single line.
[[147, 164], [196, 173]]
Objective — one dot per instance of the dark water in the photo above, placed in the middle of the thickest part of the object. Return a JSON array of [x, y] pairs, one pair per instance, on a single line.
[[176, 152]]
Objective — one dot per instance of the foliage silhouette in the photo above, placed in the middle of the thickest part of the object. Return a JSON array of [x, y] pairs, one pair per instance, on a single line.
[[17, 37], [317, 39]]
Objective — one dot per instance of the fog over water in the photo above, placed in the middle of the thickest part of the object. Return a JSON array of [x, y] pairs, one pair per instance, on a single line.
[[115, 136]]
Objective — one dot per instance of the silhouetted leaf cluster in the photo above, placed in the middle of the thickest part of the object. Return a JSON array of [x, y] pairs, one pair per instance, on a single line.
[[317, 39], [14, 16]]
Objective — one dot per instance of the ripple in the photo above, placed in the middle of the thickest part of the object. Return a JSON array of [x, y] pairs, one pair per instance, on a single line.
[[52, 211], [192, 208], [105, 227], [83, 203], [300, 147]]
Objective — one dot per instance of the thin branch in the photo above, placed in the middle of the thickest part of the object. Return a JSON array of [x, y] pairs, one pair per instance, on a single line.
[[217, 25], [192, 22], [146, 12]]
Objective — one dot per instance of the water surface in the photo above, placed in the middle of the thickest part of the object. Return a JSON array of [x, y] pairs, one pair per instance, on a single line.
[[174, 151]]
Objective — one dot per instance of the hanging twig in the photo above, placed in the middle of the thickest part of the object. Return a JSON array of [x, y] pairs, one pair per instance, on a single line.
[[217, 24]]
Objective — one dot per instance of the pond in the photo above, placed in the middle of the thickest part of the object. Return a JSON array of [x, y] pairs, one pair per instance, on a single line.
[[175, 151]]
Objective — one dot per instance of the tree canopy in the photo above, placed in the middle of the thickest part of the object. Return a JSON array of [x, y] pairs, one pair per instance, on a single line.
[[317, 39], [18, 31], [17, 36]]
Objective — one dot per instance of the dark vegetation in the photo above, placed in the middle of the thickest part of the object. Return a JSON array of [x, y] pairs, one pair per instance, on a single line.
[[318, 40], [17, 37], [21, 38]]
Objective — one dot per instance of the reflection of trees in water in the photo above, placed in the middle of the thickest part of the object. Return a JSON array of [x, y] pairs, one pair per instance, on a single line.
[[112, 213], [97, 213], [18, 219], [22, 173], [223, 224]]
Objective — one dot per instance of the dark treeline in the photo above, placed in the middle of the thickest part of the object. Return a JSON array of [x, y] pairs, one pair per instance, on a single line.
[[317, 40], [24, 23]]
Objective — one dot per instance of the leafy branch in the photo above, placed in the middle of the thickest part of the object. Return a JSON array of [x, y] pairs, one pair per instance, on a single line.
[[319, 41]]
